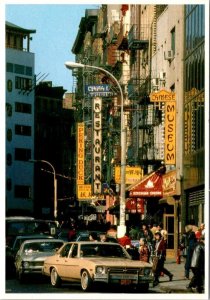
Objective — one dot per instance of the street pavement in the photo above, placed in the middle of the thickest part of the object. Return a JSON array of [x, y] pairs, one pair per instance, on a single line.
[[179, 283]]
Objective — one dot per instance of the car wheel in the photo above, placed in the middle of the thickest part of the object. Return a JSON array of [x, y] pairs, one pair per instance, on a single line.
[[86, 281], [55, 278]]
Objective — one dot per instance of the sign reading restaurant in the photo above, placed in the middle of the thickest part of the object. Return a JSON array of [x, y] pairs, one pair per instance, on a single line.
[[97, 141], [99, 90]]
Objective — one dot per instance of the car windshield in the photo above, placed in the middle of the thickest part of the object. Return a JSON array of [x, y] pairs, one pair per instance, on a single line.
[[42, 247], [104, 250]]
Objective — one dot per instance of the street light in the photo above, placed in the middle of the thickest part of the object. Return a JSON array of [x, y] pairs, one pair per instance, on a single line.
[[121, 227], [55, 183]]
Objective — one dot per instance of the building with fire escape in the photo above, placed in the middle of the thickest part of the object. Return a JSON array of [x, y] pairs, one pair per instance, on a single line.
[[144, 47]]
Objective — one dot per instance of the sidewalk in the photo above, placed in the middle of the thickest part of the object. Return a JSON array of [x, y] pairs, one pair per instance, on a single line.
[[179, 283]]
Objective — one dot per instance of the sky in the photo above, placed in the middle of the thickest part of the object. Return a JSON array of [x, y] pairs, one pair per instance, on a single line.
[[56, 28]]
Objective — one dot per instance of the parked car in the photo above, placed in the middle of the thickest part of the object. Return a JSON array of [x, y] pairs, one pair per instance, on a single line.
[[13, 247], [32, 254], [97, 262]]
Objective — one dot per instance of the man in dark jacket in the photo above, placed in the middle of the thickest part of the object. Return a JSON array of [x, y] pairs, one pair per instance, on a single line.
[[160, 253], [197, 266]]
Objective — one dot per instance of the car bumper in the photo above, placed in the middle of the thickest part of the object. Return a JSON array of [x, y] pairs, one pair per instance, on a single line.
[[133, 279]]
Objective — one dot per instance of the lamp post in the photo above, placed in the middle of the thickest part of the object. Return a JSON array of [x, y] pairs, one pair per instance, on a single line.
[[54, 180], [121, 227]]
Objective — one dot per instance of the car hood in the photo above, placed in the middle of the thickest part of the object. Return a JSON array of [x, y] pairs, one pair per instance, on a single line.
[[118, 262], [37, 256]]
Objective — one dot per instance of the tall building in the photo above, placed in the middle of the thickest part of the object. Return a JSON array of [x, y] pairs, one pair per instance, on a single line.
[[54, 145], [194, 114], [20, 83]]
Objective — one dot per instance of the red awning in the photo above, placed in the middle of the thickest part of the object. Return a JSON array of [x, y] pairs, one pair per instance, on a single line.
[[149, 186]]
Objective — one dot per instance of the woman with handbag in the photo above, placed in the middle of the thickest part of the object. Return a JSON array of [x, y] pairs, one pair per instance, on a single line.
[[159, 259]]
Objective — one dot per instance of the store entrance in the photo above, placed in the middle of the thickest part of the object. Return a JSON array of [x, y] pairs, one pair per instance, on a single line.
[[168, 224]]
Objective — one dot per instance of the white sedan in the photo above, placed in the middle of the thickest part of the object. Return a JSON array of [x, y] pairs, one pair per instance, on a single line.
[[31, 255], [97, 262]]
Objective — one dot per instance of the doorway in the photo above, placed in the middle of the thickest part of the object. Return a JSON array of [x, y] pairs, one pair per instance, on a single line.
[[168, 224]]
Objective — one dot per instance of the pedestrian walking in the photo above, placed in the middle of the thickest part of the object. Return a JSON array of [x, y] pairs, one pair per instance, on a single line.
[[143, 250], [159, 259], [190, 241], [198, 266]]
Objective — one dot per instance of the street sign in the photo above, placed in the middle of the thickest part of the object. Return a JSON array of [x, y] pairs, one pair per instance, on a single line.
[[99, 90]]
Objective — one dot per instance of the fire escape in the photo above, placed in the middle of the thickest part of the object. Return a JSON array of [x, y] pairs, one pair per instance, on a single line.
[[145, 116]]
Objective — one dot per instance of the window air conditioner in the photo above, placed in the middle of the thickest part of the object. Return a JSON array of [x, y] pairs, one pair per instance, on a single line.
[[168, 55]]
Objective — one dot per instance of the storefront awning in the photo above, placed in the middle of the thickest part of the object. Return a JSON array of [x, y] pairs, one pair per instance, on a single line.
[[167, 200], [149, 186]]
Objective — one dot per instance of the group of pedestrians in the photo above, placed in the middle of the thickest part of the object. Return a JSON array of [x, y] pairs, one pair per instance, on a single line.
[[152, 247], [193, 250]]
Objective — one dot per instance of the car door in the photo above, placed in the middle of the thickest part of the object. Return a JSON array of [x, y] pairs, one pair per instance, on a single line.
[[70, 268]]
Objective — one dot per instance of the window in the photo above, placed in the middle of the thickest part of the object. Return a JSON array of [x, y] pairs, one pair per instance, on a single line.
[[23, 130], [22, 83], [9, 85], [23, 107], [23, 191], [173, 40], [9, 109], [19, 69], [65, 250], [22, 154], [28, 71], [9, 67]]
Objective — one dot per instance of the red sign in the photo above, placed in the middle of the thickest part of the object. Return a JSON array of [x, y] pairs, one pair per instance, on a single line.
[[135, 205], [151, 186]]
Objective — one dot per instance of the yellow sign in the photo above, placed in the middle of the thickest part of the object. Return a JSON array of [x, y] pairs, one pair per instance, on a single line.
[[132, 174], [162, 96], [80, 153], [169, 183], [84, 192], [170, 133]]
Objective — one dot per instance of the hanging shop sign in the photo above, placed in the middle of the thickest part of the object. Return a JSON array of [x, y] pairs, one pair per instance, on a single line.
[[150, 186], [97, 141], [169, 183], [84, 191], [132, 174], [135, 205], [80, 153], [162, 96], [170, 133], [99, 90]]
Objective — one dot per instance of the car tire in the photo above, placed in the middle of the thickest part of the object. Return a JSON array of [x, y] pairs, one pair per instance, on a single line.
[[86, 281], [55, 278]]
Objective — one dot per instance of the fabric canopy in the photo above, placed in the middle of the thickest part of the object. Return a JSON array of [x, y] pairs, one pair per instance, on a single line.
[[149, 186]]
